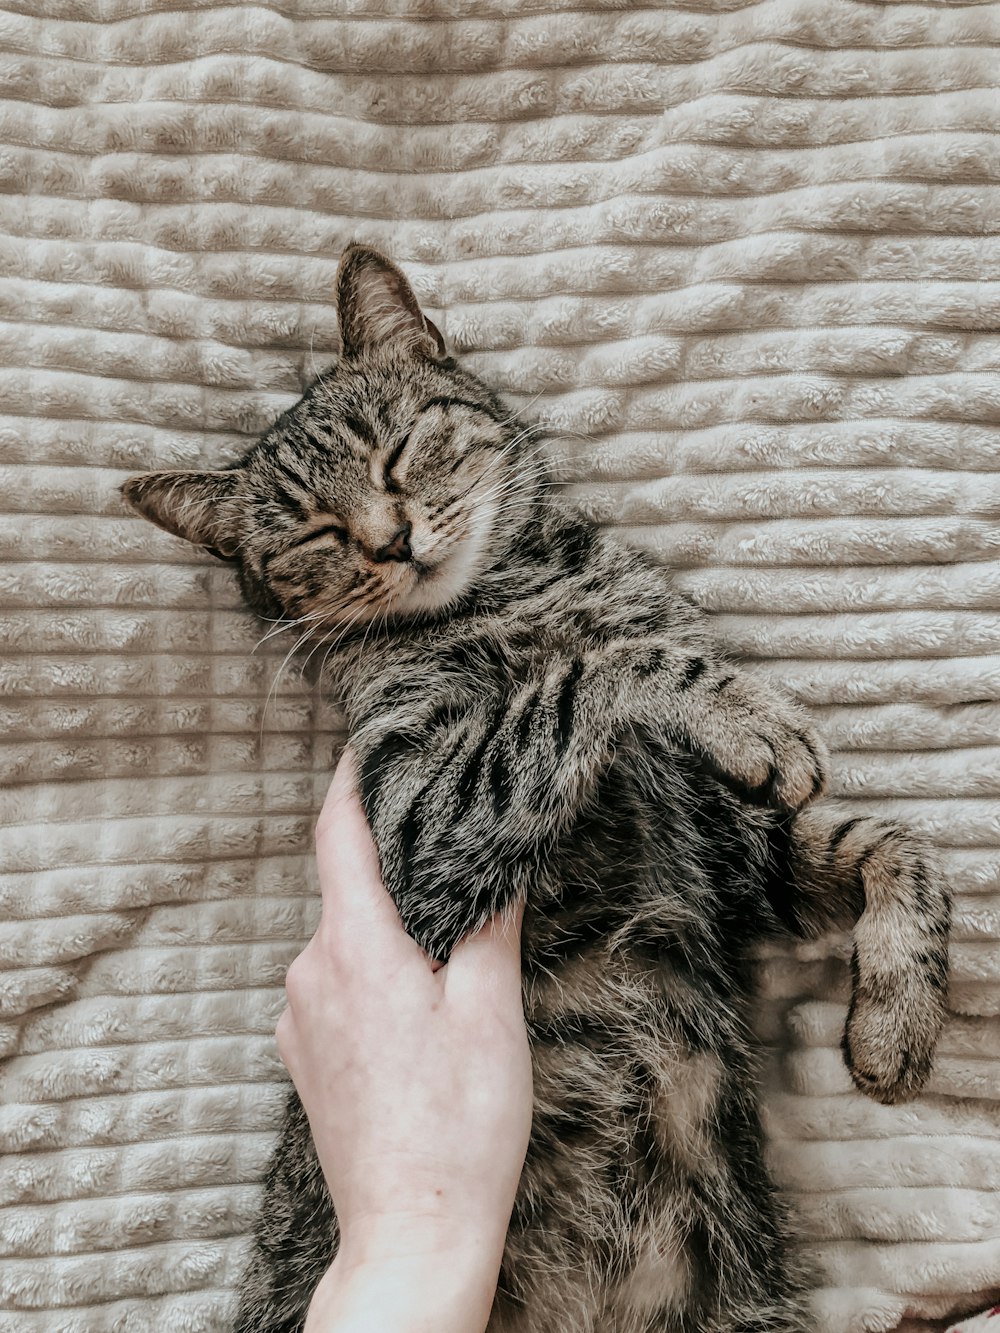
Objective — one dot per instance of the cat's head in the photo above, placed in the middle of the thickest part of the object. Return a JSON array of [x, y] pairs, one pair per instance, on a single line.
[[394, 483]]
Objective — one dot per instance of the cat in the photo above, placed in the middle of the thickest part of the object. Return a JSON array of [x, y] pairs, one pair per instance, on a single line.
[[538, 713]]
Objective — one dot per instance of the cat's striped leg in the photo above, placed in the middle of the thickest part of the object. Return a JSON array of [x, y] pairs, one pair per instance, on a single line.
[[754, 738], [656, 645], [466, 806], [879, 879], [748, 734]]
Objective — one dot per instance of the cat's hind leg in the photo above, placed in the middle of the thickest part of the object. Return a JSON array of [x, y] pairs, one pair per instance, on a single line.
[[879, 878]]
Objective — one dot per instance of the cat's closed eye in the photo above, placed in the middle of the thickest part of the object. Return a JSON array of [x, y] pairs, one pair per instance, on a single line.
[[327, 530], [391, 483]]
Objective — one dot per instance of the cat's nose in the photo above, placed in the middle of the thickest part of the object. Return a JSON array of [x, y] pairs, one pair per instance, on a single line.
[[398, 548]]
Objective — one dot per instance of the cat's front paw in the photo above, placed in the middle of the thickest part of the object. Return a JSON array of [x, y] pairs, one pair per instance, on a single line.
[[770, 752]]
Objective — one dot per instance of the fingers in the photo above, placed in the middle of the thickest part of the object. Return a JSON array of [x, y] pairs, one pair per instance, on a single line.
[[359, 920], [489, 960], [342, 820]]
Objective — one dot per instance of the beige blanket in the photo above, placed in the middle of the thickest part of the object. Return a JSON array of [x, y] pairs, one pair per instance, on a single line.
[[747, 256]]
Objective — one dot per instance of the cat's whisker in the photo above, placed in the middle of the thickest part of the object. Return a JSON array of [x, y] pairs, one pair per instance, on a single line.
[[518, 412], [281, 628], [345, 630], [359, 600], [502, 490], [334, 640], [505, 453], [503, 485], [317, 619], [513, 482], [368, 630], [361, 603], [277, 675], [516, 442]]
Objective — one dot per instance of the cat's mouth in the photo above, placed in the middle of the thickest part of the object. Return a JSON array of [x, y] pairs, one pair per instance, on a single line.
[[435, 584]]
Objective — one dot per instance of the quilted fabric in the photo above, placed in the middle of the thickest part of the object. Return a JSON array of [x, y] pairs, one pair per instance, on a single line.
[[746, 256]]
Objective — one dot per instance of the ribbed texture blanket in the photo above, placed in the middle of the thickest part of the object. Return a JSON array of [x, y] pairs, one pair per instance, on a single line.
[[746, 258]]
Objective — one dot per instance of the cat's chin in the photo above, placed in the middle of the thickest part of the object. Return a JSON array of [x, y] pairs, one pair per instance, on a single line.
[[442, 585]]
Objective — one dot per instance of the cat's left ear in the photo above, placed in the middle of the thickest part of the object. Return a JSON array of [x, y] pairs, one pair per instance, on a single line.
[[192, 505], [376, 306]]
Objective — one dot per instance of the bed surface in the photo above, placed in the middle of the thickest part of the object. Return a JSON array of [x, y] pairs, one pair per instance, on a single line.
[[746, 257]]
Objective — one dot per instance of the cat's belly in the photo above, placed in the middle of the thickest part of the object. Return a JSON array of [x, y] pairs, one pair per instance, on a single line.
[[621, 1141], [644, 1203]]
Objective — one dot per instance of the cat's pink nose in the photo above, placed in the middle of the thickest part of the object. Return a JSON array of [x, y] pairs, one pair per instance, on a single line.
[[398, 548]]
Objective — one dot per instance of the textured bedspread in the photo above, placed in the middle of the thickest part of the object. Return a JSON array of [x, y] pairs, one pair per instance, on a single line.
[[747, 257]]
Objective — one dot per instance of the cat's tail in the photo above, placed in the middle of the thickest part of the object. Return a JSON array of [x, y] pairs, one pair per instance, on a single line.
[[879, 879]]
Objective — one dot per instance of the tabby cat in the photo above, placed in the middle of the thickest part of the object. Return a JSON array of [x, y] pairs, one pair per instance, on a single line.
[[539, 714]]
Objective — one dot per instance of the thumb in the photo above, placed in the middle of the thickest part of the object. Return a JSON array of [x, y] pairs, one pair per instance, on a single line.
[[358, 919], [489, 960]]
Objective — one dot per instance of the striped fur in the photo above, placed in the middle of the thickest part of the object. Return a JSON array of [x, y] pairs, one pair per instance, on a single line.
[[538, 713]]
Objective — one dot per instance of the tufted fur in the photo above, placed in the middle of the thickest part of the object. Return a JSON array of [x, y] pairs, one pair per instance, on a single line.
[[538, 713]]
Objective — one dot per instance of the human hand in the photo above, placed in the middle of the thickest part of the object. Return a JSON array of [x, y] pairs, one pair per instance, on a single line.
[[417, 1085]]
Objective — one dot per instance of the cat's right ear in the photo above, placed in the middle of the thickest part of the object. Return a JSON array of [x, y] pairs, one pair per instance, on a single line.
[[376, 306], [192, 505]]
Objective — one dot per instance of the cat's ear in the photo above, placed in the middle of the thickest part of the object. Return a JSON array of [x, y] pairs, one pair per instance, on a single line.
[[188, 504], [376, 305]]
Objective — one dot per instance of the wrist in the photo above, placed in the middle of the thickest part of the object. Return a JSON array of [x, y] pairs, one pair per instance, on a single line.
[[416, 1294]]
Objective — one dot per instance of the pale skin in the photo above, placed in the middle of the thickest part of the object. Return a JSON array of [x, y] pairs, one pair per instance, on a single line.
[[417, 1083]]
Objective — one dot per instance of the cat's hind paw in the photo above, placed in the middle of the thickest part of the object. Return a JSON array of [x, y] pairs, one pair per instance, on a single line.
[[900, 962], [800, 770], [889, 1044]]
